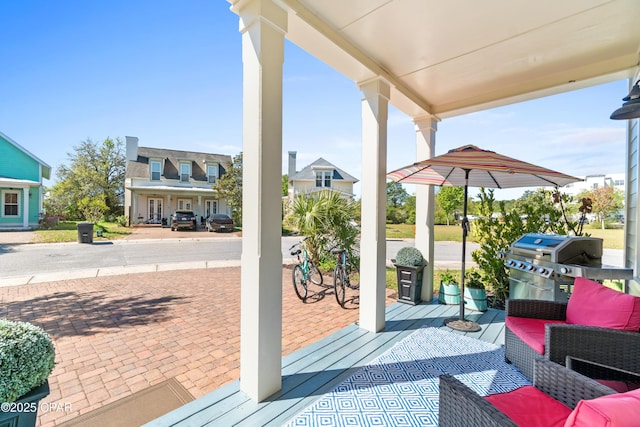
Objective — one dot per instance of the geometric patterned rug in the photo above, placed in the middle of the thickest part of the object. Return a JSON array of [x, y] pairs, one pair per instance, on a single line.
[[400, 387]]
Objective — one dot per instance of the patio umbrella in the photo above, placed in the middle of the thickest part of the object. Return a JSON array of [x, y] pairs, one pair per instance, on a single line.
[[471, 166]]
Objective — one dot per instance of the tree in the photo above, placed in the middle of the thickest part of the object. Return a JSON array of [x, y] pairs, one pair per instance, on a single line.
[[92, 185], [229, 187], [605, 201], [450, 199], [396, 194], [285, 185]]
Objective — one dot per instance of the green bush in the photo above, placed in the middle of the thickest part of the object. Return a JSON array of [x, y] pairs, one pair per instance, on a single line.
[[473, 280], [447, 278], [409, 256], [122, 221], [26, 358]]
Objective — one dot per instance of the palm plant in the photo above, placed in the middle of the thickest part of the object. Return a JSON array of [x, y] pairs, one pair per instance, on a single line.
[[327, 220]]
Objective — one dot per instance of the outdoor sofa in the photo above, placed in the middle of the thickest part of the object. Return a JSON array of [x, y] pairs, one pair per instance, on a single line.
[[598, 325], [558, 397]]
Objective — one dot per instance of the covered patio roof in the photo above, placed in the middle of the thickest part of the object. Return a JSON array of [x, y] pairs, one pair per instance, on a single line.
[[449, 58], [431, 60]]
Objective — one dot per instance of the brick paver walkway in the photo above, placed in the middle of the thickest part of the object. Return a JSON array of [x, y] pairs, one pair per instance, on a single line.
[[121, 334]]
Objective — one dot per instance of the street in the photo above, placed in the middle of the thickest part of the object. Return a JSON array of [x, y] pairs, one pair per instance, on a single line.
[[28, 259], [68, 260]]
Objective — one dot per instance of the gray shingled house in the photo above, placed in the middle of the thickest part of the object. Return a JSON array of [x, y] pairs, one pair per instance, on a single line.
[[319, 175], [160, 181]]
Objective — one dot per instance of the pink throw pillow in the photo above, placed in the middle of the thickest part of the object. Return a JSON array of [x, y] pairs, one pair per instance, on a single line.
[[593, 304], [614, 410]]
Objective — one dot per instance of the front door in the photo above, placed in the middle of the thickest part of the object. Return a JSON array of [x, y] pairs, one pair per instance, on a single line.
[[155, 211], [210, 207]]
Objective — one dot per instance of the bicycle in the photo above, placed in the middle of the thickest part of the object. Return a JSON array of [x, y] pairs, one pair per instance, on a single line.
[[304, 271], [345, 276]]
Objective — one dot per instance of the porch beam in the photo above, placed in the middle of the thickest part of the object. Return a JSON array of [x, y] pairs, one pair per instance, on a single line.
[[426, 128], [263, 25], [375, 112]]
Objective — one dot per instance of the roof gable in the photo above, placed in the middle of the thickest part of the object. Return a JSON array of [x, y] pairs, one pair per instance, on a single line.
[[309, 172], [46, 169]]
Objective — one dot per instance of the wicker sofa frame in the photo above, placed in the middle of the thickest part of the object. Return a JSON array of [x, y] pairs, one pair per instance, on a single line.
[[617, 349], [460, 406]]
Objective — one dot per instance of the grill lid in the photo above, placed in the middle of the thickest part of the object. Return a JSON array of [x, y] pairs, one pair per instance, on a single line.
[[561, 249]]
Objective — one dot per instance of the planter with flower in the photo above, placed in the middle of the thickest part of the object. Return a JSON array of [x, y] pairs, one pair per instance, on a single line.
[[449, 289], [475, 295], [26, 361], [409, 265]]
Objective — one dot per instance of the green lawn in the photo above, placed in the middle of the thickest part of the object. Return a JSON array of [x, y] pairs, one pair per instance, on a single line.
[[612, 238], [67, 231]]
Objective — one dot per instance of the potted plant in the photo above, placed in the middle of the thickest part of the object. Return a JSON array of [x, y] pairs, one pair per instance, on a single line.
[[449, 289], [26, 361], [475, 295], [409, 264]]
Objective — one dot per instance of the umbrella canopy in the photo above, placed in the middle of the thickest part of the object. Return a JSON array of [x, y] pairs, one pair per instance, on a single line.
[[485, 169], [472, 166]]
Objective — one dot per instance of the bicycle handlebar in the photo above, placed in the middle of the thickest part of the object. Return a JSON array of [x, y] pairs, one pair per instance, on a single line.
[[297, 244]]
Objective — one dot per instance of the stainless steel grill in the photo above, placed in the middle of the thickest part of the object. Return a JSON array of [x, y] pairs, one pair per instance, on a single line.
[[544, 266]]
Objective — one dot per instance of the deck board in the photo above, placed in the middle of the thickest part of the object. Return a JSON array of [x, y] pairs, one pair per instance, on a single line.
[[318, 368]]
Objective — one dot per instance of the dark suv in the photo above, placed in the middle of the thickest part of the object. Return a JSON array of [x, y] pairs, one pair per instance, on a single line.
[[183, 219]]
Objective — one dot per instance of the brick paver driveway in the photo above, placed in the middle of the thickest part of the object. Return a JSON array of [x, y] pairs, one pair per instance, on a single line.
[[117, 335]]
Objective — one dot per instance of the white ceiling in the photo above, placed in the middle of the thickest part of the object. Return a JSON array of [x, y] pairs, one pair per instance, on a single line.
[[450, 57]]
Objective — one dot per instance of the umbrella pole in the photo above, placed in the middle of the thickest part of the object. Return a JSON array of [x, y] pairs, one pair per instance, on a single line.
[[460, 324]]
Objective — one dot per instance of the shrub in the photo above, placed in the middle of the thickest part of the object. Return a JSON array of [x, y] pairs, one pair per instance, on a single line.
[[409, 256], [447, 278], [122, 220], [473, 280], [26, 358]]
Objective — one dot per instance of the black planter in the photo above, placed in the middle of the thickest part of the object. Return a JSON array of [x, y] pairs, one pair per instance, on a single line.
[[409, 283], [23, 412]]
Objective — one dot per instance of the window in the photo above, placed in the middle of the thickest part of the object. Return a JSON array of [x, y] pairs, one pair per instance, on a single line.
[[185, 172], [10, 206], [212, 173], [184, 204], [323, 179], [155, 171]]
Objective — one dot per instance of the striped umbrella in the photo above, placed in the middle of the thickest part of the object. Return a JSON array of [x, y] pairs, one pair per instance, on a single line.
[[471, 166]]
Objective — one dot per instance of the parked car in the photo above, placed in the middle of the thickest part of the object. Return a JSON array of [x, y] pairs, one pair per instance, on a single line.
[[219, 222], [183, 219]]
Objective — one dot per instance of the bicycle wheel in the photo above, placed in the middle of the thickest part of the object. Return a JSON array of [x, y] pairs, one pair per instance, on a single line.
[[339, 284], [314, 274], [354, 277], [299, 284]]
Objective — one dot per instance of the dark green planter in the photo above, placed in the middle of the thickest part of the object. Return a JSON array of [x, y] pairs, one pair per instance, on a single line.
[[24, 410], [475, 299], [409, 284], [449, 294]]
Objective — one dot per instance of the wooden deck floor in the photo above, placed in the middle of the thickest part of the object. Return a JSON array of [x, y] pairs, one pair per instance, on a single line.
[[317, 369]]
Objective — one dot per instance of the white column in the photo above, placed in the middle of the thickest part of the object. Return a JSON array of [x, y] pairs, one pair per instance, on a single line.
[[25, 207], [375, 111], [426, 128], [263, 25]]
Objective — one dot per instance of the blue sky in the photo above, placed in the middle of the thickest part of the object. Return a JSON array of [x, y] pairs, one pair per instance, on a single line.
[[170, 73]]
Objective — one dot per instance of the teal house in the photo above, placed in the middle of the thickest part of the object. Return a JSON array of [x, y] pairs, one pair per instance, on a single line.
[[21, 190]]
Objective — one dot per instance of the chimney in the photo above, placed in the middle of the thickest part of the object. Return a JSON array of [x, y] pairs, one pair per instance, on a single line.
[[292, 163], [132, 148]]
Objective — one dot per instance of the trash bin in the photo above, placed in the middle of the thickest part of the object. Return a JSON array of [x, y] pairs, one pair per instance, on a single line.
[[85, 232]]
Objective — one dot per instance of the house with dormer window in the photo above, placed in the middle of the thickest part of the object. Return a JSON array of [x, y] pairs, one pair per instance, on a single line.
[[21, 189], [161, 181], [319, 175]]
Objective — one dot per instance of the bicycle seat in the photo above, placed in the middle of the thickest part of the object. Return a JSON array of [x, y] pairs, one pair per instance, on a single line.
[[296, 252], [337, 251]]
